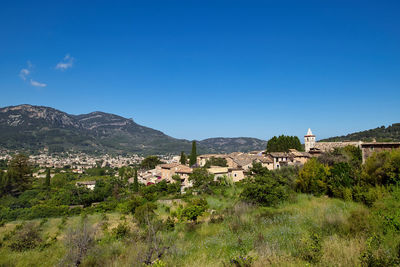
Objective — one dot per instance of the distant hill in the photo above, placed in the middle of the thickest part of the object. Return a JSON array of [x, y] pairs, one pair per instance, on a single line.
[[36, 127], [381, 134], [228, 145]]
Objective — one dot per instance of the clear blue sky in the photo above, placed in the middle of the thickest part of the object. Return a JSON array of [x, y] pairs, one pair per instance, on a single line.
[[199, 69]]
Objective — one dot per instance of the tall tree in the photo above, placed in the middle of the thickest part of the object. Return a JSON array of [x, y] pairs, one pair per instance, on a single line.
[[193, 154], [283, 143], [47, 181], [19, 173], [4, 183], [135, 182], [183, 158]]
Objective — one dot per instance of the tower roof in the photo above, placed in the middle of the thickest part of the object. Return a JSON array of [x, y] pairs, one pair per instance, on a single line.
[[309, 132]]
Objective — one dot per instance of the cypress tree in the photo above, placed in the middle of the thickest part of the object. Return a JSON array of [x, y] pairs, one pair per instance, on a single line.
[[193, 154], [47, 181], [183, 158], [135, 182]]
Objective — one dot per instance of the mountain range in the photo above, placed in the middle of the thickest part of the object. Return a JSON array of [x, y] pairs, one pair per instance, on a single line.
[[32, 128]]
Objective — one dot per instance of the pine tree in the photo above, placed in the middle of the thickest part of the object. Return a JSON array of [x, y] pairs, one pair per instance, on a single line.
[[193, 154], [47, 181], [135, 182], [183, 158]]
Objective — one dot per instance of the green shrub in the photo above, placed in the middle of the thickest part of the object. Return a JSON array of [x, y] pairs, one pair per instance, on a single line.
[[130, 205], [373, 194], [169, 224], [313, 178], [195, 209], [360, 221], [310, 248], [121, 231], [43, 211], [145, 213], [26, 237], [375, 254], [265, 190]]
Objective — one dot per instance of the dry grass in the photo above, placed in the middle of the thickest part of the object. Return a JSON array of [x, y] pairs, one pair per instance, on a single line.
[[270, 235]]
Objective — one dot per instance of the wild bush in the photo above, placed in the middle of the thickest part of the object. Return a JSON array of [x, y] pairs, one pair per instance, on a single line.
[[375, 254], [310, 248], [26, 237], [78, 241], [265, 191], [195, 209], [360, 221], [121, 231], [145, 213], [130, 205], [313, 178]]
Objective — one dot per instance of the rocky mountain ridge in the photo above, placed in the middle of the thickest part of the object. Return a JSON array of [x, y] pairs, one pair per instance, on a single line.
[[28, 127]]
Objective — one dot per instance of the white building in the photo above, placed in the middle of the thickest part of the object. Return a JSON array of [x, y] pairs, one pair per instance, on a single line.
[[309, 141]]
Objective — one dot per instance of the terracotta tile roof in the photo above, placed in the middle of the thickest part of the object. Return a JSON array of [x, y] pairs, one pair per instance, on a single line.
[[265, 159], [296, 153], [279, 154], [169, 165], [184, 169]]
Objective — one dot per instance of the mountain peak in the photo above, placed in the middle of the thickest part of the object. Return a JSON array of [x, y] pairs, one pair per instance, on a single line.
[[36, 127]]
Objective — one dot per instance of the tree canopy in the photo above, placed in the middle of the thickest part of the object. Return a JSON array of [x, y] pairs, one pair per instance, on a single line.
[[183, 158], [150, 162], [283, 143], [18, 177], [216, 162]]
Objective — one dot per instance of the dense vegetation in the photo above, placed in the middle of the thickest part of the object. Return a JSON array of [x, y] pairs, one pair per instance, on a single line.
[[380, 134], [333, 211], [283, 143]]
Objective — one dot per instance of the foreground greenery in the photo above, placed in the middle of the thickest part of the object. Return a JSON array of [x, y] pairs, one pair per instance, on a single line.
[[307, 230], [333, 211]]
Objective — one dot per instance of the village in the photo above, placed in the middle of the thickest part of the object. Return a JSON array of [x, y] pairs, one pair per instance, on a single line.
[[237, 165], [234, 166]]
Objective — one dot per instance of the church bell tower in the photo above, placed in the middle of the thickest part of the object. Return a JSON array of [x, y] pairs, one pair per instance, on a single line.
[[309, 140]]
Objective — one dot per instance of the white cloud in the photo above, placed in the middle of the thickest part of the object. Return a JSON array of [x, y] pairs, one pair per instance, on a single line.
[[26, 73], [23, 73], [66, 63], [37, 84]]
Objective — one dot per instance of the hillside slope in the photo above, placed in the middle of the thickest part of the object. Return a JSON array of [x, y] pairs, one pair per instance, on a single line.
[[36, 127], [381, 134]]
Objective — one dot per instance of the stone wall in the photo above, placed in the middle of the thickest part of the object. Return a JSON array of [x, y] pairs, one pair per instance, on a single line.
[[329, 146]]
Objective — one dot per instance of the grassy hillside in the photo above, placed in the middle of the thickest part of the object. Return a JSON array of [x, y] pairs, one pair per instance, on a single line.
[[308, 230]]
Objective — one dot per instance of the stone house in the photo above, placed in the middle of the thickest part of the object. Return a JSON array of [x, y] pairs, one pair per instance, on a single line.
[[299, 157], [218, 171], [236, 174], [280, 159], [88, 184], [368, 149]]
